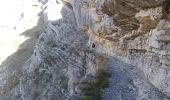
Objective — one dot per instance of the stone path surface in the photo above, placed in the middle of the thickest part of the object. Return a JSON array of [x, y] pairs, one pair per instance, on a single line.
[[127, 83]]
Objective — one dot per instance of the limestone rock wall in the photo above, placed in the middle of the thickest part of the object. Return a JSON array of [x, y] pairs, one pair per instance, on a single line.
[[136, 31], [59, 60], [74, 33]]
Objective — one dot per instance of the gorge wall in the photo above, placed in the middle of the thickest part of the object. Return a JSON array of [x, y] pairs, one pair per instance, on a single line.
[[73, 40], [136, 31], [55, 62]]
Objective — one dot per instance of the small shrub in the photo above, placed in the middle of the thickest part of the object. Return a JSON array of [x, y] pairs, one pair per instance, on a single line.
[[93, 90]]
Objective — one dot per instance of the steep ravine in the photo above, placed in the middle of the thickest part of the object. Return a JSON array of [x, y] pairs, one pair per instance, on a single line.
[[90, 50]]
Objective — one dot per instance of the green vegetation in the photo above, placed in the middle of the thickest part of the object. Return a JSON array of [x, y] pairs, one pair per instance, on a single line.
[[93, 91]]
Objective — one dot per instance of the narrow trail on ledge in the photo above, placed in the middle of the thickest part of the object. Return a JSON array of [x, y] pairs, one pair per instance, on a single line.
[[127, 83]]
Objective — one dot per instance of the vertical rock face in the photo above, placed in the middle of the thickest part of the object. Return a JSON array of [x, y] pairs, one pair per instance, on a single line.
[[77, 35], [136, 31], [59, 62]]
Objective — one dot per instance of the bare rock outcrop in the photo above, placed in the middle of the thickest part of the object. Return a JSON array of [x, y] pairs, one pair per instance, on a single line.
[[58, 63], [75, 44], [133, 30]]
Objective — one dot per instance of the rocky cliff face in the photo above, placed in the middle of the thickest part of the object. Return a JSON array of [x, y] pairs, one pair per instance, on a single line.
[[74, 45], [135, 31], [53, 65]]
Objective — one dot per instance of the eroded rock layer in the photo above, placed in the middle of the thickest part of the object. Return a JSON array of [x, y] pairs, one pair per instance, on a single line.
[[73, 46], [136, 31]]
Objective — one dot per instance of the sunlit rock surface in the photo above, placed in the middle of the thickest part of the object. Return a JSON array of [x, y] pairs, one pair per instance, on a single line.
[[50, 48], [135, 31]]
